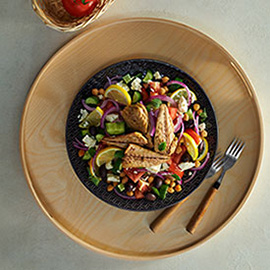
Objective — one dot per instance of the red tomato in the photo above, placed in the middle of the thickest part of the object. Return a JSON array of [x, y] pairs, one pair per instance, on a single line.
[[135, 177], [194, 135], [145, 95], [108, 106], [176, 170], [177, 157], [79, 8], [173, 112], [155, 86], [139, 194]]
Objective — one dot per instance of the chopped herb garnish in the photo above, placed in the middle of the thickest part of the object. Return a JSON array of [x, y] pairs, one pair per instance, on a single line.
[[203, 115], [92, 151], [178, 79], [176, 177], [162, 146], [190, 115], [119, 154], [117, 166], [156, 191], [163, 191]]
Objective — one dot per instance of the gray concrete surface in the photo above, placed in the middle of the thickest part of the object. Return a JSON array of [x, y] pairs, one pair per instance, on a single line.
[[27, 238]]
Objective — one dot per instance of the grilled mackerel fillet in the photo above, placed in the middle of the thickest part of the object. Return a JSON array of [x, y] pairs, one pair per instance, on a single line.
[[123, 141], [137, 156], [136, 117], [165, 132]]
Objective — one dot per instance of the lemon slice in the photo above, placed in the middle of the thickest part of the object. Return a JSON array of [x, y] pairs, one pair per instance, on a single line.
[[106, 155], [182, 92], [92, 119], [205, 151], [118, 93], [191, 146]]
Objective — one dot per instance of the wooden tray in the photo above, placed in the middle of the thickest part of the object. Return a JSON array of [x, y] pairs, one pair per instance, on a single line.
[[60, 194]]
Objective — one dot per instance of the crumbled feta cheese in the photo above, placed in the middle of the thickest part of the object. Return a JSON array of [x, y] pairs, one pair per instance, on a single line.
[[186, 165], [109, 165], [154, 169], [82, 115], [112, 117], [182, 105], [88, 141], [136, 84], [202, 126], [157, 75], [164, 167], [100, 97], [123, 85], [85, 124], [113, 178]]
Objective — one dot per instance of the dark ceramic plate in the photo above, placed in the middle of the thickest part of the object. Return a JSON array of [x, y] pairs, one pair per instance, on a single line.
[[72, 130]]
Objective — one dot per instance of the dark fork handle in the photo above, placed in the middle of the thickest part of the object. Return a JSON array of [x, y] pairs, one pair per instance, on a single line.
[[198, 215]]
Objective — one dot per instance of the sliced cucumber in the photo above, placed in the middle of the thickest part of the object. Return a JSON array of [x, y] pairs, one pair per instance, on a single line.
[[137, 96], [92, 100], [148, 76]]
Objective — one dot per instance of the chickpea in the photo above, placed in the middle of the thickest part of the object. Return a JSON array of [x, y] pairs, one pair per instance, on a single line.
[[110, 188], [130, 193], [186, 117], [108, 182], [122, 174], [204, 133], [167, 181], [81, 153], [95, 91], [197, 163], [170, 190], [162, 91], [115, 184], [124, 180], [178, 188], [199, 111], [151, 179], [166, 88], [196, 107], [101, 91], [165, 79], [172, 184]]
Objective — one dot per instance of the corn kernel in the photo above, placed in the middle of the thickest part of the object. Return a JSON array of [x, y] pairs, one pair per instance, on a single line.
[[172, 184], [130, 193], [165, 79], [170, 190]]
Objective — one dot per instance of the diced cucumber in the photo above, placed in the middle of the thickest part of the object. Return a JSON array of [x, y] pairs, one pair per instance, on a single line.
[[121, 187], [95, 180], [148, 76], [92, 100], [190, 114], [99, 137], [115, 128], [85, 132], [127, 78], [86, 156], [137, 96]]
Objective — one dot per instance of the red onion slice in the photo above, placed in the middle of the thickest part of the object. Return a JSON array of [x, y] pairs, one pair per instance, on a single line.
[[152, 123], [88, 108], [203, 164], [163, 98], [190, 178], [177, 126], [124, 196], [185, 86], [105, 102], [102, 121]]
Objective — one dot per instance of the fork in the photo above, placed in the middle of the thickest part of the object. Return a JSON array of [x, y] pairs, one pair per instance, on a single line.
[[165, 215], [231, 156]]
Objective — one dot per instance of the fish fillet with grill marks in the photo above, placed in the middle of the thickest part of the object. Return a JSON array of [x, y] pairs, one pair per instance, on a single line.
[[137, 156], [136, 117], [165, 132], [123, 141]]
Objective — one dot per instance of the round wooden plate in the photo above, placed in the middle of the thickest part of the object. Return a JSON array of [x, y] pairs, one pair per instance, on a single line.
[[66, 201]]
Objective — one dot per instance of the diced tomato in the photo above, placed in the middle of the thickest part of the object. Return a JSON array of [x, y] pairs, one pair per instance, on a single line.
[[135, 177], [139, 194], [155, 86], [177, 157], [175, 169], [143, 186], [108, 106], [145, 95], [197, 138], [173, 112]]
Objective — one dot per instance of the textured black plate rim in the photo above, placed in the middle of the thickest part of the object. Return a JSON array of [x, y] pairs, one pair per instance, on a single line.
[[88, 184]]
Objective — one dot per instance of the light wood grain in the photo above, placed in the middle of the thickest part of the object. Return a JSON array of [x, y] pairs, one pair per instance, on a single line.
[[55, 186]]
